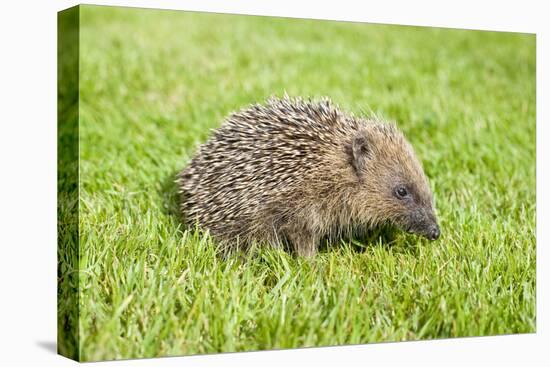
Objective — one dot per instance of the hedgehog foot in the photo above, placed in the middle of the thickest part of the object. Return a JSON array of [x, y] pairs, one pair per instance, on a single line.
[[304, 243]]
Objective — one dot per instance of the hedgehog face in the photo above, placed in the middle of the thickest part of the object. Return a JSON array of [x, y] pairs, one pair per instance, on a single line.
[[393, 186], [416, 214]]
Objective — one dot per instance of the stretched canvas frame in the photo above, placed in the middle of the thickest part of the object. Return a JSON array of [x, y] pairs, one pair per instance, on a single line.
[[479, 281]]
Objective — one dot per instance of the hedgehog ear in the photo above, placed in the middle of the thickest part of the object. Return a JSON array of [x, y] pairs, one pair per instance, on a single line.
[[360, 153]]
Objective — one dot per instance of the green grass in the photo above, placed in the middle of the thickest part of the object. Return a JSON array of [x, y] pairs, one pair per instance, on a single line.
[[152, 86]]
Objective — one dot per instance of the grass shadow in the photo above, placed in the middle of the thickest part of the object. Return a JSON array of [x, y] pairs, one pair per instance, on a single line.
[[361, 240], [384, 236], [170, 200]]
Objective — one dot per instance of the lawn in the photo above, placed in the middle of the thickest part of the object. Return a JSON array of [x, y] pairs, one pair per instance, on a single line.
[[153, 85]]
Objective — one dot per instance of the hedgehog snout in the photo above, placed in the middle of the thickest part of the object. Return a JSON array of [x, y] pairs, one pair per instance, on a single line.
[[423, 222], [433, 232], [430, 229]]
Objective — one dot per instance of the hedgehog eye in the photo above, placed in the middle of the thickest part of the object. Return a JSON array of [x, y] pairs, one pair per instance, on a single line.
[[401, 192]]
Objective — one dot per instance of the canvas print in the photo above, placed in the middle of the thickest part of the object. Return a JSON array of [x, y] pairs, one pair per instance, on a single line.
[[231, 183]]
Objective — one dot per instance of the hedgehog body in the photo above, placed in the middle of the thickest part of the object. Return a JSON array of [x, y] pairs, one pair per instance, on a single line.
[[291, 172]]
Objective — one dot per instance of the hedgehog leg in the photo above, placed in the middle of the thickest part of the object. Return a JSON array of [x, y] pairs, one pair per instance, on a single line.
[[304, 242]]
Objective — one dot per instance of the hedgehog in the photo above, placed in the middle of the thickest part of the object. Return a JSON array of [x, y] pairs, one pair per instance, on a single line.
[[291, 172]]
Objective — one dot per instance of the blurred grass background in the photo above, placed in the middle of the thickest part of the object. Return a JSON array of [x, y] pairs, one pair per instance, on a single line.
[[152, 86]]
